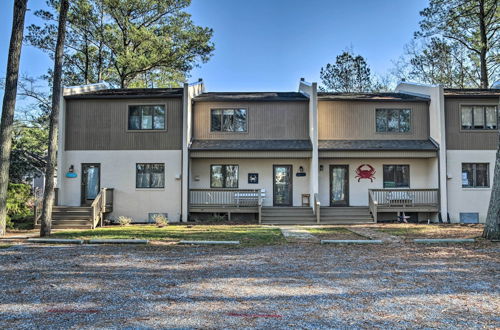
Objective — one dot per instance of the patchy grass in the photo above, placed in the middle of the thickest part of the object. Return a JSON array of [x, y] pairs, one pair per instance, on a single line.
[[248, 235], [5, 246], [432, 231], [333, 233]]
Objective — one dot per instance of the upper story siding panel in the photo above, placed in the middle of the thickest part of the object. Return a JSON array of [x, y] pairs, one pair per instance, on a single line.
[[266, 120], [101, 124], [458, 139], [355, 120]]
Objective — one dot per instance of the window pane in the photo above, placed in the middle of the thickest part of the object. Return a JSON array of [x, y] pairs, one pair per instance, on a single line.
[[142, 177], [402, 176], [150, 176], [147, 117], [466, 117], [231, 176], [240, 120], [404, 120], [216, 120], [491, 117], [467, 175], [381, 119], [482, 175], [389, 181], [157, 175], [216, 178], [134, 119], [392, 120], [159, 117], [227, 120], [478, 117]]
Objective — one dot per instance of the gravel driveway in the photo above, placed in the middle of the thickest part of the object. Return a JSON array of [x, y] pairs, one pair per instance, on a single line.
[[299, 286]]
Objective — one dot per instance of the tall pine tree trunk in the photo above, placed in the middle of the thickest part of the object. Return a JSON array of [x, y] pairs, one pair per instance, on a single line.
[[9, 104], [492, 226], [484, 46], [48, 197]]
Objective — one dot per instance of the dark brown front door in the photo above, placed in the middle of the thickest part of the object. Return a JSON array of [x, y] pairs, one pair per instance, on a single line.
[[91, 182], [339, 185], [282, 185]]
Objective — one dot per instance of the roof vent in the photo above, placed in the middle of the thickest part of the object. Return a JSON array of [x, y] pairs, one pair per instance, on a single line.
[[302, 79]]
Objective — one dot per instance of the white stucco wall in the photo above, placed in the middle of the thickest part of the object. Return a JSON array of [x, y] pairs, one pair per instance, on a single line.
[[467, 200], [264, 167], [118, 172], [422, 175]]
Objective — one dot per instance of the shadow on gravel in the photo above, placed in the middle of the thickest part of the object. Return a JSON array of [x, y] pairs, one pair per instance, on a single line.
[[308, 286]]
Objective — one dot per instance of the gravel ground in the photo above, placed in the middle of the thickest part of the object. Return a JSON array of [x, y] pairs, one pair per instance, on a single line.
[[294, 285]]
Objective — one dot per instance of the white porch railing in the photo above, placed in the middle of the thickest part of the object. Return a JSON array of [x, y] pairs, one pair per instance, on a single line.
[[225, 197]]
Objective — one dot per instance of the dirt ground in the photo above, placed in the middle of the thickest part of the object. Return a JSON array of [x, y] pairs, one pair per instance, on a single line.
[[410, 231], [283, 286]]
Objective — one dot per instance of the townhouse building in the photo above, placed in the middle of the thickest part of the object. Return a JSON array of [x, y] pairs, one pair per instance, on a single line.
[[275, 157]]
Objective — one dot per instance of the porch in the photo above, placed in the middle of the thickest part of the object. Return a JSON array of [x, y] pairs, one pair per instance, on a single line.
[[403, 200]]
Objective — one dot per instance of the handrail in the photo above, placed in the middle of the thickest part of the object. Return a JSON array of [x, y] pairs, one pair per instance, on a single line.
[[373, 205], [37, 204], [398, 197], [225, 197], [317, 208], [98, 208], [259, 206]]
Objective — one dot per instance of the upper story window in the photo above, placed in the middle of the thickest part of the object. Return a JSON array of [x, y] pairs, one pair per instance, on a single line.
[[396, 176], [228, 120], [480, 117], [146, 117], [393, 120], [224, 176], [475, 175], [150, 175]]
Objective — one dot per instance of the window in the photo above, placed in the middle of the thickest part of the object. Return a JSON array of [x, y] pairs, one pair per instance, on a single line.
[[479, 117], [393, 120], [475, 175], [224, 176], [228, 120], [146, 117], [150, 175], [396, 176]]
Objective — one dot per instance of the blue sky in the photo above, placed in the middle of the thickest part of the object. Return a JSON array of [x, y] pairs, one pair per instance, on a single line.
[[269, 44]]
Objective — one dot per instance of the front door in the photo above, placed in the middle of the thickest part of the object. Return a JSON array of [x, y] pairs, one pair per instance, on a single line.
[[282, 185], [339, 185], [91, 182]]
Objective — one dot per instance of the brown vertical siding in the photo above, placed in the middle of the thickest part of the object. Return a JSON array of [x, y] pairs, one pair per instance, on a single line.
[[456, 138], [101, 124], [266, 120], [355, 120]]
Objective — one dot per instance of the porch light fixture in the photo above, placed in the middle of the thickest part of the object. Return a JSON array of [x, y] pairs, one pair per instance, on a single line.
[[321, 167], [301, 169], [71, 169]]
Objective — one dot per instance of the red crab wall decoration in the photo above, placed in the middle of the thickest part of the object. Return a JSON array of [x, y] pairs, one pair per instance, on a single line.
[[365, 171]]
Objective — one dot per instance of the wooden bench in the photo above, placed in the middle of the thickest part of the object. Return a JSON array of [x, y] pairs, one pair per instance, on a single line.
[[249, 198]]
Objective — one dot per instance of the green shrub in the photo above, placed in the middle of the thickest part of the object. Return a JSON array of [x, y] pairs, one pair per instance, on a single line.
[[19, 203]]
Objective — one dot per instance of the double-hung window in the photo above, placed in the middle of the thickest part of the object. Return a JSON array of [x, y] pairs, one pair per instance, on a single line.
[[146, 117], [475, 175], [479, 117], [228, 120], [150, 175], [393, 120], [224, 176], [396, 176]]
